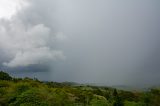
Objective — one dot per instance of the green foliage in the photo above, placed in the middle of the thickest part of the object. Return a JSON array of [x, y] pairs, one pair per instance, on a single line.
[[128, 103], [99, 101], [127, 95], [5, 76], [31, 92], [32, 97], [4, 83], [118, 101], [21, 87]]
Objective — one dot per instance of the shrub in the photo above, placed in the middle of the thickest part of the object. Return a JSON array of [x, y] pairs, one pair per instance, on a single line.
[[5, 76]]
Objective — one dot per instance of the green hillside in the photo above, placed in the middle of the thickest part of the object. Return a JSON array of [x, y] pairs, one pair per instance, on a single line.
[[32, 92]]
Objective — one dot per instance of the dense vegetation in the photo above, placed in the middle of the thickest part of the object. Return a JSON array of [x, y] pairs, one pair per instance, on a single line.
[[31, 92]]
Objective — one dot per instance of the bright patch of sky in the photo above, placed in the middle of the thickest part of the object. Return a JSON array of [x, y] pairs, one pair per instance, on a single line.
[[9, 7]]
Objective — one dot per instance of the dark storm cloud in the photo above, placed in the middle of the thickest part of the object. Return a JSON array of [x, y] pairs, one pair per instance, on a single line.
[[108, 42]]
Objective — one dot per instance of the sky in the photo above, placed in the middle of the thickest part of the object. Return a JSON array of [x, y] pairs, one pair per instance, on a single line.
[[107, 42]]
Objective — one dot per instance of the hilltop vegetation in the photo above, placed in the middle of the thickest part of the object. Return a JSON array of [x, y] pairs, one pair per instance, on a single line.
[[32, 92]]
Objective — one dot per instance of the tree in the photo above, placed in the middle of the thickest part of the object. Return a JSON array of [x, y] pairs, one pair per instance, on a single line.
[[31, 97], [118, 100], [5, 76]]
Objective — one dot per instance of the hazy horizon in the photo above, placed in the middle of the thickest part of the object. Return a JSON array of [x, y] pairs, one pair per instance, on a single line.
[[108, 42]]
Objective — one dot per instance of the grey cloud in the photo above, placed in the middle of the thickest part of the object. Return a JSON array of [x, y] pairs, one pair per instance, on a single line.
[[27, 43], [106, 41]]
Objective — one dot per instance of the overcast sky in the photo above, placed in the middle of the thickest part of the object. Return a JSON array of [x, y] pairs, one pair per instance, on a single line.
[[109, 42]]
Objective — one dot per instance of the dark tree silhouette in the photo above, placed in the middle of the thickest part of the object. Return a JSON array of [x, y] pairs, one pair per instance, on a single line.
[[5, 76]]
